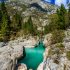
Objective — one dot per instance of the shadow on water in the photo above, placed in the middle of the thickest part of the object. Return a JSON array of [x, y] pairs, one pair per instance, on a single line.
[[34, 56]]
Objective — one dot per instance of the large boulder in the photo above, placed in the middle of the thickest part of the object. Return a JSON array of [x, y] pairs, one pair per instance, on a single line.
[[22, 67]]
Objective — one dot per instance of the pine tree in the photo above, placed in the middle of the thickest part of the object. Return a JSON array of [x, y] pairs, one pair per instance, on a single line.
[[3, 8], [0, 18], [16, 22], [58, 11], [69, 14], [61, 15], [29, 28], [4, 12], [4, 22], [4, 27]]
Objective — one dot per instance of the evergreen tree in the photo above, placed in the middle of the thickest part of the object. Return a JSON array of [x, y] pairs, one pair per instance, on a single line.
[[29, 27], [4, 22], [0, 18], [61, 15], [4, 12], [58, 12], [16, 22], [4, 27], [69, 14], [3, 8]]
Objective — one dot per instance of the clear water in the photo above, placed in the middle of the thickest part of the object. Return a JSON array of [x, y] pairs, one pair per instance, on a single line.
[[34, 56]]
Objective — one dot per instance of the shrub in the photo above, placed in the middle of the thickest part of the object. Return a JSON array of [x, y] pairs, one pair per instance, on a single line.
[[53, 24], [68, 55], [57, 36], [60, 46]]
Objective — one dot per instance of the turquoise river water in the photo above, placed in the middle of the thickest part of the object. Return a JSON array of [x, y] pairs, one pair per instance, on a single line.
[[34, 56]]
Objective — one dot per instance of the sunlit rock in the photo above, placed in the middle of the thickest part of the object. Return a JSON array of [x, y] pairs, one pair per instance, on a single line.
[[22, 67]]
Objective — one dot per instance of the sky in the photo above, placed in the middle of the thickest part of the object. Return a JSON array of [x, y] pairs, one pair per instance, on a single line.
[[58, 2], [50, 1]]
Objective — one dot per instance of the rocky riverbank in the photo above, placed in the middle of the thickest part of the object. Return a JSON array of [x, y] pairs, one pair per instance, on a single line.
[[56, 58], [13, 51], [9, 56], [52, 61]]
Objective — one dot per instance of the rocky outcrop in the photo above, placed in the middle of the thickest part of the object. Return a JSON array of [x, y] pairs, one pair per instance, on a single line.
[[13, 51], [47, 40], [29, 42], [56, 58], [9, 55], [41, 4], [22, 67]]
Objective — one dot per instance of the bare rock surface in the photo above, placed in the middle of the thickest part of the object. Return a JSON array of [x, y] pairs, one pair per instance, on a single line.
[[22, 67], [27, 43], [9, 56]]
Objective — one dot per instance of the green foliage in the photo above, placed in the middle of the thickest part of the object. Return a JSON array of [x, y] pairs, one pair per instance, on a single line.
[[53, 51], [16, 22], [69, 7], [57, 36], [28, 27], [60, 46], [69, 15], [0, 18], [4, 26], [68, 54], [61, 17], [58, 21], [13, 26], [4, 22], [4, 9], [53, 25]]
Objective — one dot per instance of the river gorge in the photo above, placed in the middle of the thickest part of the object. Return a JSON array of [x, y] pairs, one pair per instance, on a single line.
[[34, 56]]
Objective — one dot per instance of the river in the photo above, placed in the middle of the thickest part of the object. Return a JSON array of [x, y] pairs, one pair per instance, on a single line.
[[34, 56]]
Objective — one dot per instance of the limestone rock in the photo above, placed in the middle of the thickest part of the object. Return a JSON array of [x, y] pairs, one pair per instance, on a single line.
[[48, 40], [27, 43], [9, 56], [22, 67]]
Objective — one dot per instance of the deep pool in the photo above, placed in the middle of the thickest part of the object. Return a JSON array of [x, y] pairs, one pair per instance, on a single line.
[[34, 56]]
